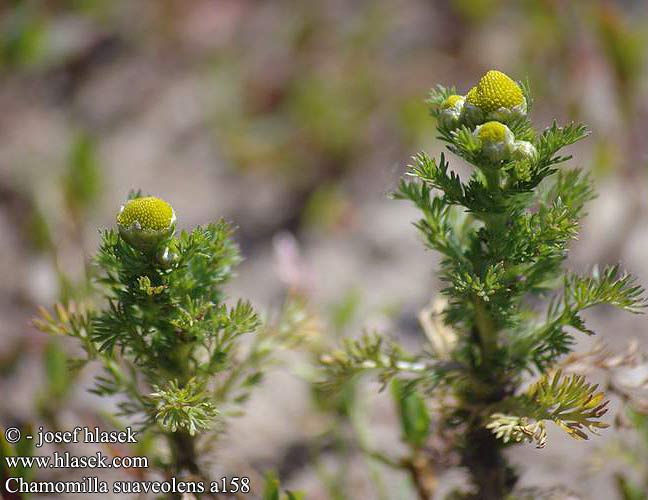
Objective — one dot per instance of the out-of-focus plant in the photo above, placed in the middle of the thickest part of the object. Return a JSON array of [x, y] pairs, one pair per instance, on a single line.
[[625, 376], [21, 33], [503, 236], [81, 186], [82, 179], [59, 382], [169, 344], [634, 455], [477, 10], [272, 490], [624, 47], [344, 411], [23, 448], [339, 418], [293, 115]]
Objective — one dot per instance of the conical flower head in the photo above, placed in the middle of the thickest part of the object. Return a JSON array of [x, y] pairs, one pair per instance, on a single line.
[[145, 222], [496, 97]]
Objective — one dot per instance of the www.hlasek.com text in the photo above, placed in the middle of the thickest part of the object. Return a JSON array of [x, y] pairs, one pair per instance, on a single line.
[[68, 461]]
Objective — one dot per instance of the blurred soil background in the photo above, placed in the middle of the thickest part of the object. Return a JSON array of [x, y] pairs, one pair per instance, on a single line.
[[294, 119]]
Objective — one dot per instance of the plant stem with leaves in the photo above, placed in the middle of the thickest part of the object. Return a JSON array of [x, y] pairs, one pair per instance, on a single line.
[[171, 347], [509, 310]]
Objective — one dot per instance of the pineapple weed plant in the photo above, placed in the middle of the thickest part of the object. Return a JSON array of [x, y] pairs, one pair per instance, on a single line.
[[491, 376], [172, 347], [166, 339]]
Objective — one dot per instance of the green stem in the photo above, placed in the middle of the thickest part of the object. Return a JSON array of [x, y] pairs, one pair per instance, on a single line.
[[495, 224], [482, 454], [487, 331], [492, 176], [182, 444], [183, 457], [490, 471], [183, 451], [494, 221]]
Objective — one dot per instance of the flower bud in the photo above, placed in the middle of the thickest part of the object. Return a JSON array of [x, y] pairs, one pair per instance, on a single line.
[[166, 257], [451, 109], [496, 140], [146, 222], [524, 150], [496, 97], [472, 114]]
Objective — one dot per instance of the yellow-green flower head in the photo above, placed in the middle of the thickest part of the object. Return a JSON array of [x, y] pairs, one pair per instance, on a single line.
[[451, 101], [496, 140], [145, 222], [495, 90], [451, 109], [496, 97]]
